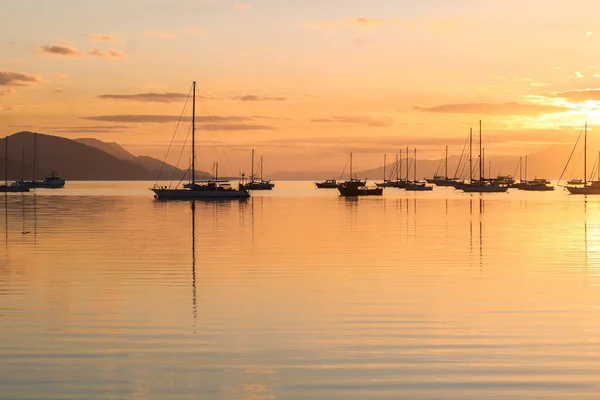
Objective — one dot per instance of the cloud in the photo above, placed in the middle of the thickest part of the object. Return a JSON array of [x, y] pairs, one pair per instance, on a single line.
[[10, 79], [576, 96], [196, 31], [494, 109], [161, 119], [59, 51], [236, 127], [103, 38], [159, 34], [241, 6], [147, 97], [360, 22], [250, 97], [357, 119], [72, 52], [111, 53], [88, 129]]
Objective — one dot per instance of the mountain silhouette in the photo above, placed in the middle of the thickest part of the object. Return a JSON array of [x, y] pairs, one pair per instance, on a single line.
[[83, 159]]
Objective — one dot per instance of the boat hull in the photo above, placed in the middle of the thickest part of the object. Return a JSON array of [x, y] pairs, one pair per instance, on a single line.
[[43, 184], [417, 187], [323, 185], [536, 188], [583, 190], [13, 189], [441, 182], [257, 186], [360, 191], [190, 194], [468, 188]]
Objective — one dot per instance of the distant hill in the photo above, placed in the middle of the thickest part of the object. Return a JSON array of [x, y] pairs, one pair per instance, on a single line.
[[77, 160]]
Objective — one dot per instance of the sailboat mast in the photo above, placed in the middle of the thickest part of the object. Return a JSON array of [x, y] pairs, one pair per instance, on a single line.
[[6, 161], [34, 156], [471, 155], [252, 172], [446, 166], [399, 177], [585, 155], [261, 168], [520, 169], [23, 164], [384, 161], [525, 167], [407, 167], [193, 132], [480, 155], [398, 172], [350, 165], [482, 165], [415, 171]]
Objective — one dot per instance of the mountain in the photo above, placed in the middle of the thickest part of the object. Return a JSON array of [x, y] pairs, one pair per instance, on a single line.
[[74, 160]]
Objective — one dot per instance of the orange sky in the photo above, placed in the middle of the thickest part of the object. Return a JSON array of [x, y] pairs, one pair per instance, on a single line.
[[303, 82]]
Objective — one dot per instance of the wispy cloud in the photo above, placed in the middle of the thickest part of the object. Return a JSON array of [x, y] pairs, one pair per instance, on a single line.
[[357, 119], [103, 38], [251, 97], [146, 97], [360, 22], [196, 31], [159, 34], [88, 129], [59, 50], [72, 52], [10, 79], [220, 123], [241, 6], [512, 108], [111, 53], [576, 96]]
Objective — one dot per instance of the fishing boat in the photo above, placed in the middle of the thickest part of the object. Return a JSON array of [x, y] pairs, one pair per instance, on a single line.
[[480, 185], [209, 189], [356, 187], [257, 183], [440, 180], [13, 187], [415, 185], [50, 182], [586, 187], [327, 184]]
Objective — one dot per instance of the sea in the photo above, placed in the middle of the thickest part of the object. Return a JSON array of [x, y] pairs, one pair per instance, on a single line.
[[298, 293]]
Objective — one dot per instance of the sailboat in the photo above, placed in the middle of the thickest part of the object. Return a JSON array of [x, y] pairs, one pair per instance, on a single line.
[[260, 183], [50, 182], [356, 187], [387, 182], [534, 185], [416, 185], [480, 185], [14, 186], [199, 190], [586, 187], [334, 183], [439, 180]]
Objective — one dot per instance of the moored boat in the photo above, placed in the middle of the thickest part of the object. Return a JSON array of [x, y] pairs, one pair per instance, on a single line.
[[13, 187], [356, 187], [584, 186]]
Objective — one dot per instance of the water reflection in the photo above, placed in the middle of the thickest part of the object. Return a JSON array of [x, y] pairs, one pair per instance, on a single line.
[[194, 290]]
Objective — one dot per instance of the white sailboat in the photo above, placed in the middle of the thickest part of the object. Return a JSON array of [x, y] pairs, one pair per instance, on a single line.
[[208, 189]]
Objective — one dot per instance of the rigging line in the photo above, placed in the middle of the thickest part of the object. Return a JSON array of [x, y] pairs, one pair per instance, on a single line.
[[461, 157], [184, 175], [571, 155], [344, 170], [211, 128], [518, 166], [440, 164], [180, 155], [173, 137]]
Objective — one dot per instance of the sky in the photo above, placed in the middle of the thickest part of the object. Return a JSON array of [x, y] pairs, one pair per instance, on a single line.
[[305, 82]]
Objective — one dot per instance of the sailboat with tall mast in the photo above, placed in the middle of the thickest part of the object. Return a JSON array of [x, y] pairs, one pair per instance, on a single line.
[[440, 180], [356, 187], [14, 186], [586, 187], [208, 189], [50, 182], [416, 185], [481, 185], [388, 182], [260, 183]]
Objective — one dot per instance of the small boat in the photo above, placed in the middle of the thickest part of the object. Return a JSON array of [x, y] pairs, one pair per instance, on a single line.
[[537, 185], [356, 187], [13, 187], [327, 184], [439, 180], [415, 185], [254, 183], [209, 189], [50, 182], [481, 185], [583, 186]]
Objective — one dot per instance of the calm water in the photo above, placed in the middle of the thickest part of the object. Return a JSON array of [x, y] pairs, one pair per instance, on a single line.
[[299, 294]]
